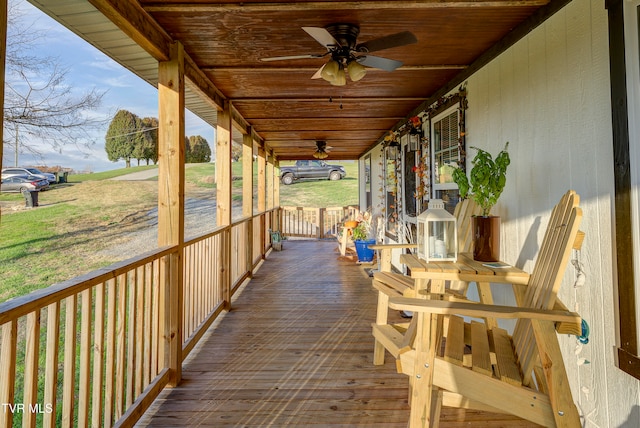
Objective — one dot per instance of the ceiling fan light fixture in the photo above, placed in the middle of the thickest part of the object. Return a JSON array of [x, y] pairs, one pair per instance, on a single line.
[[356, 70], [320, 154], [341, 77], [330, 70]]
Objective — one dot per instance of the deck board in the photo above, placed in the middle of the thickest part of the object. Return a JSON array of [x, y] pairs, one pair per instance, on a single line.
[[296, 349]]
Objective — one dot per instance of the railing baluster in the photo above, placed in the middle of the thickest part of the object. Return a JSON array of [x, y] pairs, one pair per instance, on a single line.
[[121, 345], [32, 355], [139, 331], [51, 368], [84, 394], [8, 369], [98, 357], [110, 362], [132, 319], [68, 386]]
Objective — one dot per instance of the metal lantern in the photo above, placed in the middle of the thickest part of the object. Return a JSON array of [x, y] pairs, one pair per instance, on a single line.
[[437, 234], [392, 150]]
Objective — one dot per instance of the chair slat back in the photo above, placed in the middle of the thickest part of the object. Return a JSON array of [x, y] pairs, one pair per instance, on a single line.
[[465, 209], [547, 275]]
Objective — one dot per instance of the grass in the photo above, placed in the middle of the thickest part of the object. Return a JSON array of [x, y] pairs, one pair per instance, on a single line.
[[65, 237], [323, 193]]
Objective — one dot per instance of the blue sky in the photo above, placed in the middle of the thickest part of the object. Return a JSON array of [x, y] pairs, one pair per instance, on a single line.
[[89, 68]]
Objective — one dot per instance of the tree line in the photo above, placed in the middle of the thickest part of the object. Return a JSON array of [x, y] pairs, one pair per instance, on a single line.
[[131, 137]]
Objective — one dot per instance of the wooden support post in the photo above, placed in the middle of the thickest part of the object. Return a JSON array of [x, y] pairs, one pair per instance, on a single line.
[[270, 182], [171, 201], [247, 193], [276, 186], [247, 175], [223, 196], [262, 185], [223, 167]]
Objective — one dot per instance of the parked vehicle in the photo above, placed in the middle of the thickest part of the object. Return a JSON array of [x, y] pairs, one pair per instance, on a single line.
[[311, 169], [19, 183], [22, 171]]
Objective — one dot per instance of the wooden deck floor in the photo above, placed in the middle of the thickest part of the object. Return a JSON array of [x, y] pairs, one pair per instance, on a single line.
[[296, 350]]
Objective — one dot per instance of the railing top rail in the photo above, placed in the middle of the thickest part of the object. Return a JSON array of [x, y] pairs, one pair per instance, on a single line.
[[23, 305]]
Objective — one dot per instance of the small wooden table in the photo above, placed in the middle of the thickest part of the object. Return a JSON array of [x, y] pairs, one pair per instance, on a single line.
[[430, 277]]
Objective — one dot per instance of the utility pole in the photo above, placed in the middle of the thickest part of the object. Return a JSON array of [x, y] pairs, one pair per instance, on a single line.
[[17, 145]]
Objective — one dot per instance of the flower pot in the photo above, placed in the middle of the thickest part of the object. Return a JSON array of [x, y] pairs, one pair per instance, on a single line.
[[365, 254], [486, 238]]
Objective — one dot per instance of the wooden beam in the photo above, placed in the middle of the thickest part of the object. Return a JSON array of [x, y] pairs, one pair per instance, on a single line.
[[202, 85], [171, 113], [338, 5], [136, 23]]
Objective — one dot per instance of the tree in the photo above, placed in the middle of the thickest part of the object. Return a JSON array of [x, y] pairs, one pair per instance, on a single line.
[[197, 150], [123, 136], [147, 147], [39, 105]]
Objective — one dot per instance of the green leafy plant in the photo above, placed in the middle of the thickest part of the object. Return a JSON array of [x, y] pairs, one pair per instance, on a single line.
[[486, 179], [360, 232]]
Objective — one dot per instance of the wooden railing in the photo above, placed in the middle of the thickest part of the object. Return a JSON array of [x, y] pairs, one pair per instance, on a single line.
[[317, 223], [94, 350]]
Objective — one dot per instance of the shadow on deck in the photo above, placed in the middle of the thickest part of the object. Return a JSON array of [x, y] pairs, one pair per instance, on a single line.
[[296, 350]]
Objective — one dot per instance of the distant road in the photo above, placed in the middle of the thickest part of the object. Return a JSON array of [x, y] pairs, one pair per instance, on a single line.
[[140, 175], [144, 175]]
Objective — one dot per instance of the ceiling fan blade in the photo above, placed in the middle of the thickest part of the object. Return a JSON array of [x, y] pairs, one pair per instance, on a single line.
[[385, 64], [318, 74], [387, 42], [286, 58], [322, 36]]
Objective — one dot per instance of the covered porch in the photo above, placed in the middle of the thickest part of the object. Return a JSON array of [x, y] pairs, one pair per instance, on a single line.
[[296, 350]]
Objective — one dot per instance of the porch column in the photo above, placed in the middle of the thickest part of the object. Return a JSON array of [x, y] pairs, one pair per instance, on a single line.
[[247, 193], [276, 196], [247, 175], [223, 199], [262, 187], [223, 167], [262, 193], [171, 200], [276, 184], [3, 55], [270, 170]]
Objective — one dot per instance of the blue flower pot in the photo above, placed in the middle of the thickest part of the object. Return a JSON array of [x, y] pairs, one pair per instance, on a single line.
[[365, 254]]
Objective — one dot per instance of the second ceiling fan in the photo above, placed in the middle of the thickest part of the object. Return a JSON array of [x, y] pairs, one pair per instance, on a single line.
[[346, 54]]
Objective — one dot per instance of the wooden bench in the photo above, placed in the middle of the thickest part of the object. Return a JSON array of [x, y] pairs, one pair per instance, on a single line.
[[453, 361]]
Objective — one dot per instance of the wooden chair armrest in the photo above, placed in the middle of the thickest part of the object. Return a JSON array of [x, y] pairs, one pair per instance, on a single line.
[[561, 327], [385, 253], [392, 246], [479, 310]]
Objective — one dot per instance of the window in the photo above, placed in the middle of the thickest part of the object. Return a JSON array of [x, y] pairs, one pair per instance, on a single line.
[[445, 131]]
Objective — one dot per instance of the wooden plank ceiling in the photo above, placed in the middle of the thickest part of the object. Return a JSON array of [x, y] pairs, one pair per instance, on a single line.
[[288, 109]]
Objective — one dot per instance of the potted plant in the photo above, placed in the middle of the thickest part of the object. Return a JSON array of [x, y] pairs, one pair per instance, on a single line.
[[363, 237], [486, 182]]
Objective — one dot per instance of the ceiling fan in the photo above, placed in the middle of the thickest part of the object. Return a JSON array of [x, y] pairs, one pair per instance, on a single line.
[[340, 41], [321, 150]]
